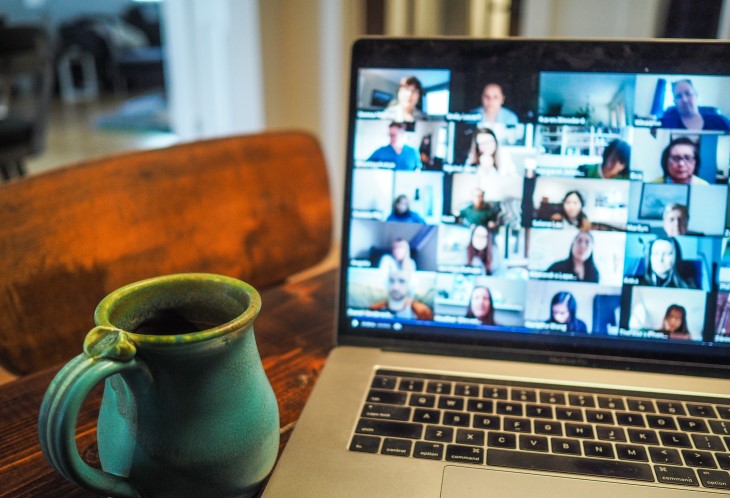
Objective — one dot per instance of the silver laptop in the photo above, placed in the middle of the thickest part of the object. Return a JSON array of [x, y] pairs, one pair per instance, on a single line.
[[535, 275]]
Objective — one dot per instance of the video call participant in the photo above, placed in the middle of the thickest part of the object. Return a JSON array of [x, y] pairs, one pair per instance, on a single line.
[[615, 164], [485, 154], [480, 251], [400, 302], [406, 107], [680, 160], [688, 115], [563, 309], [492, 109], [674, 324], [580, 259], [402, 212], [571, 211], [481, 306], [399, 257], [662, 262], [405, 157], [674, 220], [479, 212]]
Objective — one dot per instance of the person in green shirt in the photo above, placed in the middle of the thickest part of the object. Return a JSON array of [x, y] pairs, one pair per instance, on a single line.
[[616, 160], [479, 212]]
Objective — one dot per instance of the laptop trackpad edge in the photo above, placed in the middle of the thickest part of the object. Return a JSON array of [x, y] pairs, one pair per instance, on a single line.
[[469, 482]]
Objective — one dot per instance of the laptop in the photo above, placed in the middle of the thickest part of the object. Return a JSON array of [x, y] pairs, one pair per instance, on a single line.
[[535, 275]]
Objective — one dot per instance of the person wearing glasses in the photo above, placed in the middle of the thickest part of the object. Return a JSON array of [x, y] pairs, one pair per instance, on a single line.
[[680, 162]]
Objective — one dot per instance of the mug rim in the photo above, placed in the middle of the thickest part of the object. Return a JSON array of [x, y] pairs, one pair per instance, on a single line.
[[104, 309]]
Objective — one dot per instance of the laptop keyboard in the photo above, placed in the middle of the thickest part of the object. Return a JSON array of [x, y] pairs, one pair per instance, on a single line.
[[682, 441]]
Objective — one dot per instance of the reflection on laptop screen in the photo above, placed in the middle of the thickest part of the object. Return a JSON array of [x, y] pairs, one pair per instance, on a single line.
[[520, 200]]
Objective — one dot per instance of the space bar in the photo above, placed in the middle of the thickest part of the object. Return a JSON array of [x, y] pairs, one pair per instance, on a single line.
[[557, 463]]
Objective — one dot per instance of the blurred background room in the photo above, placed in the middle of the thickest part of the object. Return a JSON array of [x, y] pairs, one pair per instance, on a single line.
[[131, 74]]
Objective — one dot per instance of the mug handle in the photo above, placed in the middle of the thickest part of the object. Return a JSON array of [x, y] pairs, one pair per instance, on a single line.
[[107, 351]]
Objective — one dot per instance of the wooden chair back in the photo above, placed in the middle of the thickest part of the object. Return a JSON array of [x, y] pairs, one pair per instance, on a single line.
[[253, 207]]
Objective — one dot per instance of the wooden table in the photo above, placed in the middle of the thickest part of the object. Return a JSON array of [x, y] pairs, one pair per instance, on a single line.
[[294, 333]]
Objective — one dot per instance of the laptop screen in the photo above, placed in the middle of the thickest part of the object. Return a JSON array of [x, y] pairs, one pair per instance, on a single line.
[[545, 195]]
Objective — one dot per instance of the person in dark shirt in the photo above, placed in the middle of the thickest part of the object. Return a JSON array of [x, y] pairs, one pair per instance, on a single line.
[[662, 261], [580, 259], [563, 308], [687, 114], [402, 212], [479, 212]]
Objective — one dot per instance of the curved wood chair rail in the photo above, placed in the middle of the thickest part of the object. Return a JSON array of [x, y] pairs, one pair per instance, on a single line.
[[254, 207]]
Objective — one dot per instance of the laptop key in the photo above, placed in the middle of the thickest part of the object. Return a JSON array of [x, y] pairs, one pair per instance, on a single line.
[[643, 436], [631, 452], [366, 444], [466, 390], [723, 459], [548, 427], [569, 413], [389, 428], [670, 407], [430, 451], [528, 442], [516, 424], [438, 387], [668, 474], [449, 403], [539, 411], [383, 382], [442, 434], [641, 405], [505, 408], [611, 403], [552, 398], [493, 392], [705, 411], [628, 419], [724, 412], [565, 446], [609, 433], [458, 419], [411, 385], [707, 442], [599, 417], [720, 427], [692, 424], [571, 465], [714, 479], [425, 416], [501, 440], [582, 400], [661, 422], [675, 439], [470, 436], [480, 405], [387, 397], [388, 412], [665, 455], [699, 459], [490, 422], [422, 400], [598, 449], [397, 447], [464, 454], [526, 395], [579, 430]]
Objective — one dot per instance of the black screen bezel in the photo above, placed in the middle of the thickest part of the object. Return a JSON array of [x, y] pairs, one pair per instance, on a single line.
[[533, 56]]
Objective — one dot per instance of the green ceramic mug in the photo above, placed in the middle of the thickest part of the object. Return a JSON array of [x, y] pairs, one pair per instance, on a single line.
[[187, 409]]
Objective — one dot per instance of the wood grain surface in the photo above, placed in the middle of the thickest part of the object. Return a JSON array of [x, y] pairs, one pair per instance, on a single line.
[[294, 333], [254, 207]]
